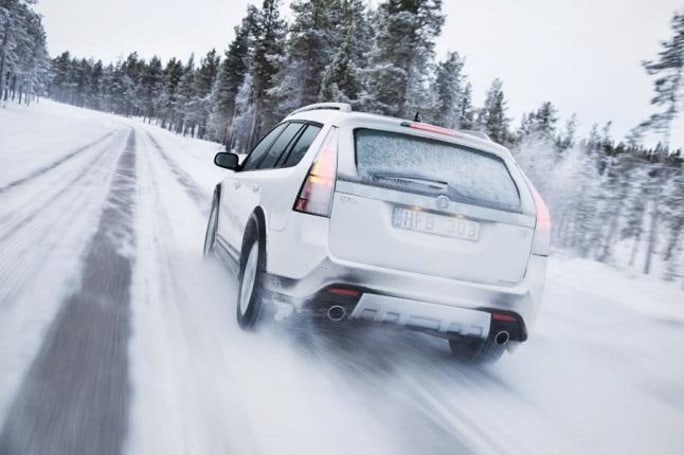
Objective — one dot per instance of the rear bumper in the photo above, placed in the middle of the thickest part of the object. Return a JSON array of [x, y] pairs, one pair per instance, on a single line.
[[445, 320], [443, 306]]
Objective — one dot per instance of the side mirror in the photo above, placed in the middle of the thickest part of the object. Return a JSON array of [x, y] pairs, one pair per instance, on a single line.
[[227, 161]]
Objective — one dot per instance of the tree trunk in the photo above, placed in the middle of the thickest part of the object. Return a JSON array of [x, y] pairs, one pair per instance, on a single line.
[[252, 128], [228, 135], [635, 249], [652, 236], [612, 232], [3, 52]]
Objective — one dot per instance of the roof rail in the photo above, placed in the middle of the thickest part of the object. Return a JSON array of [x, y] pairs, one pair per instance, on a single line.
[[480, 134], [344, 107]]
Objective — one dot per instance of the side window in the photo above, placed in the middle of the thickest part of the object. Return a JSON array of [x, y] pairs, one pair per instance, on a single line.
[[261, 148], [280, 145], [301, 146]]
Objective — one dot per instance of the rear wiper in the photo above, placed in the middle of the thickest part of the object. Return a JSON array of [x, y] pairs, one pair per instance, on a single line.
[[434, 184]]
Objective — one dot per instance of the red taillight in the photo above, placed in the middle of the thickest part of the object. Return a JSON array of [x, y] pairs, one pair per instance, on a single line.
[[542, 232], [344, 292], [543, 217], [503, 317], [315, 197]]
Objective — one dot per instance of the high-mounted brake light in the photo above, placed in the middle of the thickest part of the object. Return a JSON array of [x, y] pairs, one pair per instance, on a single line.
[[430, 128], [315, 197], [542, 232]]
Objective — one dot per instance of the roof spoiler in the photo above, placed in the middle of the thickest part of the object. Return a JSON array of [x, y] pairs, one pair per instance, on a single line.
[[343, 107]]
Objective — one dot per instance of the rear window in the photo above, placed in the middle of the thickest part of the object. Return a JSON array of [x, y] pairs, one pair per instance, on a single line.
[[425, 166]]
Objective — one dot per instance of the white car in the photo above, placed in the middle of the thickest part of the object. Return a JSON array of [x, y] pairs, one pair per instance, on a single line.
[[351, 215]]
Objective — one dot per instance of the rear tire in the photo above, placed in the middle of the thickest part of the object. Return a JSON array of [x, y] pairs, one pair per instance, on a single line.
[[250, 301], [210, 235], [477, 350]]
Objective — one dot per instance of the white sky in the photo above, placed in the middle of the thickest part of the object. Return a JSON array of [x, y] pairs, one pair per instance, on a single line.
[[583, 55]]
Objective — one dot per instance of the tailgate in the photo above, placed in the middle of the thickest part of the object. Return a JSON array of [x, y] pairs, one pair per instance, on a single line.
[[424, 206]]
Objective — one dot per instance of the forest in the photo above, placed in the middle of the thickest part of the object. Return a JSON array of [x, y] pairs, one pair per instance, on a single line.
[[616, 201]]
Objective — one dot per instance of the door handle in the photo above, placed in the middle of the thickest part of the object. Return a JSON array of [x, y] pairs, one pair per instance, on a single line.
[[236, 185], [254, 187]]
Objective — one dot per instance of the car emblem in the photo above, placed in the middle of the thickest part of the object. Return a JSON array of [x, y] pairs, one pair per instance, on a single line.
[[443, 202]]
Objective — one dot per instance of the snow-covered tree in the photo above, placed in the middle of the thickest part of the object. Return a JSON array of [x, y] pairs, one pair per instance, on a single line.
[[173, 72], [186, 123], [24, 61], [343, 77], [268, 35], [448, 91], [567, 138], [150, 88], [466, 112], [492, 117], [309, 52], [203, 84], [669, 72], [401, 58], [230, 77]]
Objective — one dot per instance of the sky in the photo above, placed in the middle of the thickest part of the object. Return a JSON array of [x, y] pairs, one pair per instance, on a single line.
[[582, 55]]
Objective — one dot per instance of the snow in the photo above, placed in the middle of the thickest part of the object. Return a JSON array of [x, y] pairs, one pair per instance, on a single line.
[[647, 295], [602, 372]]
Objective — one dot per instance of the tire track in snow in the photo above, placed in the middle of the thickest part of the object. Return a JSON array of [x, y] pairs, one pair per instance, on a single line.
[[198, 196], [53, 165], [28, 215], [75, 396]]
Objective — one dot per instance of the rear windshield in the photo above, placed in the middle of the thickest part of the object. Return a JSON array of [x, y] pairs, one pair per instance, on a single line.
[[427, 166]]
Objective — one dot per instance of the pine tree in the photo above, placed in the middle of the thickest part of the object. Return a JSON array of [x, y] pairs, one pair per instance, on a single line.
[[268, 35], [96, 84], [204, 80], [448, 91], [466, 112], [24, 61], [173, 72], [535, 146], [674, 209], [669, 72], [132, 68], [343, 78], [401, 59], [635, 209], [186, 92], [230, 77], [566, 140], [492, 117], [150, 88], [309, 52]]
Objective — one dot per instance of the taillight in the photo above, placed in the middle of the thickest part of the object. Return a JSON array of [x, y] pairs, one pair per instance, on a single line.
[[315, 197], [542, 232]]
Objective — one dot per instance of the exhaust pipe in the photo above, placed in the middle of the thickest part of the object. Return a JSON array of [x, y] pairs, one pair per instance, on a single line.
[[502, 337], [336, 313]]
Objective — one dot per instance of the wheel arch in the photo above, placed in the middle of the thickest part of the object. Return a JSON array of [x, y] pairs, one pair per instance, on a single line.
[[256, 226]]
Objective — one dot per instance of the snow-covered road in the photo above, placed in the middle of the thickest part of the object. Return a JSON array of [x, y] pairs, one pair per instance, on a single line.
[[116, 336]]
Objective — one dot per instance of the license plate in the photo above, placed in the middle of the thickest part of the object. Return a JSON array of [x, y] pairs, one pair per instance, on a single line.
[[429, 223]]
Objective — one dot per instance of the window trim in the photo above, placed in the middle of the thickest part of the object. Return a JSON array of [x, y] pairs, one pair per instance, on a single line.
[[256, 166], [288, 151], [285, 150]]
